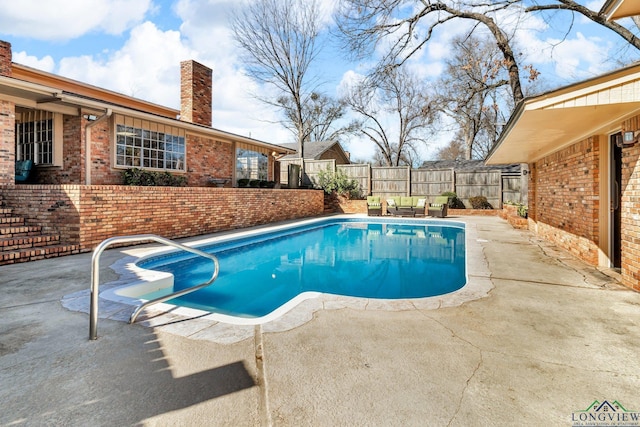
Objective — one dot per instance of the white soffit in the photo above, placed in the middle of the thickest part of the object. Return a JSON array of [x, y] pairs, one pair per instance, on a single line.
[[617, 9], [552, 121]]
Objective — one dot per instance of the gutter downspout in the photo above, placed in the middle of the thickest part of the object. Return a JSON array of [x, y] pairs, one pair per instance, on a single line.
[[87, 144]]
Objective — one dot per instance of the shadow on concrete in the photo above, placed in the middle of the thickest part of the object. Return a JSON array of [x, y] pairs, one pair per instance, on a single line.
[[53, 375]]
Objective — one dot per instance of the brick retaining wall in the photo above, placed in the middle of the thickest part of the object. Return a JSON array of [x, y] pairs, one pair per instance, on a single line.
[[87, 215]]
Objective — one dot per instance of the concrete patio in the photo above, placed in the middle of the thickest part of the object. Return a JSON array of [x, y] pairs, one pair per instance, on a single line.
[[547, 337]]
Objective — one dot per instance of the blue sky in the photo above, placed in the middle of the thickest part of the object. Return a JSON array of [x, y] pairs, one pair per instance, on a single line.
[[135, 47]]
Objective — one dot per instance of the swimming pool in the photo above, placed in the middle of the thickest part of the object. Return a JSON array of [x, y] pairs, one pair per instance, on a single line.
[[270, 272]]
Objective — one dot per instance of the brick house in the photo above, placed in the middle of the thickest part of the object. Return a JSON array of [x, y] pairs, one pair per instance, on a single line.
[[81, 139], [81, 134], [581, 146]]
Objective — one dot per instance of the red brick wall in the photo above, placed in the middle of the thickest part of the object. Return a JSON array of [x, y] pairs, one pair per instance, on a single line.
[[566, 200], [631, 209], [87, 215], [102, 148], [207, 159], [195, 93], [7, 143]]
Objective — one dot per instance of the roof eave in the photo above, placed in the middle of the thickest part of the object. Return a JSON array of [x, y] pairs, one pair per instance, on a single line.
[[618, 9], [65, 98]]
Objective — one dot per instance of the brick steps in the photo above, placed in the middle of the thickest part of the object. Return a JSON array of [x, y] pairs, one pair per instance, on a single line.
[[19, 231], [33, 254], [25, 242], [20, 242], [11, 220]]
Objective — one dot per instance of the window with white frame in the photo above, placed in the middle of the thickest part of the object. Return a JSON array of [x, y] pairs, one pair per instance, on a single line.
[[35, 136], [251, 164], [151, 146]]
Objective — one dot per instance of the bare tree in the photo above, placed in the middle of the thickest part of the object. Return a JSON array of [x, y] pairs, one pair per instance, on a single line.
[[401, 28], [595, 16], [454, 150], [320, 116], [401, 97], [367, 24], [472, 91], [278, 39]]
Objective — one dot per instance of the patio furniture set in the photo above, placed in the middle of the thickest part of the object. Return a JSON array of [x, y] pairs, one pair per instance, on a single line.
[[408, 206]]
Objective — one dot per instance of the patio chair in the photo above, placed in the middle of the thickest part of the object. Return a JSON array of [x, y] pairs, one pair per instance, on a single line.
[[439, 207], [23, 170], [419, 205], [374, 207]]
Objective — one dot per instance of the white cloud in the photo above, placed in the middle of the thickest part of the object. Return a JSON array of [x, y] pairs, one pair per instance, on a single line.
[[138, 70], [147, 66], [68, 19], [595, 4], [581, 57], [46, 63]]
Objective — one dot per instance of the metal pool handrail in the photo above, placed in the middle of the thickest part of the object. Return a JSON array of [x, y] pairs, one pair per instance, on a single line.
[[95, 275]]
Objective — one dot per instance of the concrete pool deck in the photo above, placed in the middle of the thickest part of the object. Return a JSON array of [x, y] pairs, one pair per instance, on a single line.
[[549, 336]]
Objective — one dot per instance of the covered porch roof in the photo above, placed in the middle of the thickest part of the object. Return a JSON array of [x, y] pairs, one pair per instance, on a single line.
[[543, 124]]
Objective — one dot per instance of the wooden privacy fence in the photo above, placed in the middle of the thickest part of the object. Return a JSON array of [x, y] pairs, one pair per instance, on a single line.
[[312, 169], [497, 185], [494, 184]]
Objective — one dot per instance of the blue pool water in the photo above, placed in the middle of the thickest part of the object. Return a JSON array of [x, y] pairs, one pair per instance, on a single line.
[[370, 259]]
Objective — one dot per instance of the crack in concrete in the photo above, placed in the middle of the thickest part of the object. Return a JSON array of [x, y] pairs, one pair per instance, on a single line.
[[28, 304], [561, 261], [538, 282], [464, 390], [475, 370], [261, 379], [585, 368]]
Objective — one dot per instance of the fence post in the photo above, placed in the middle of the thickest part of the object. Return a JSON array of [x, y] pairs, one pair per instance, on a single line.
[[453, 180], [500, 191]]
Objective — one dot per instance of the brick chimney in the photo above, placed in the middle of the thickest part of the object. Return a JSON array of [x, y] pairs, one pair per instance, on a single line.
[[195, 93], [5, 58]]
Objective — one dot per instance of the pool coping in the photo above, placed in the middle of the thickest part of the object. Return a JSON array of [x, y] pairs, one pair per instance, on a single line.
[[296, 312]]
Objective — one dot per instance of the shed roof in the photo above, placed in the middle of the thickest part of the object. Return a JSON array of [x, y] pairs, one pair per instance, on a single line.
[[314, 150]]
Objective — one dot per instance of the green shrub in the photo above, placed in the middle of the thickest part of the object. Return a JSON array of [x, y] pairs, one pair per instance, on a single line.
[[523, 210], [454, 202], [135, 176], [267, 184], [480, 202], [243, 182], [254, 183], [339, 183]]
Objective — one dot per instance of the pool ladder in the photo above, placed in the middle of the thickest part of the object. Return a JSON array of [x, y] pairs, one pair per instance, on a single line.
[[95, 275]]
